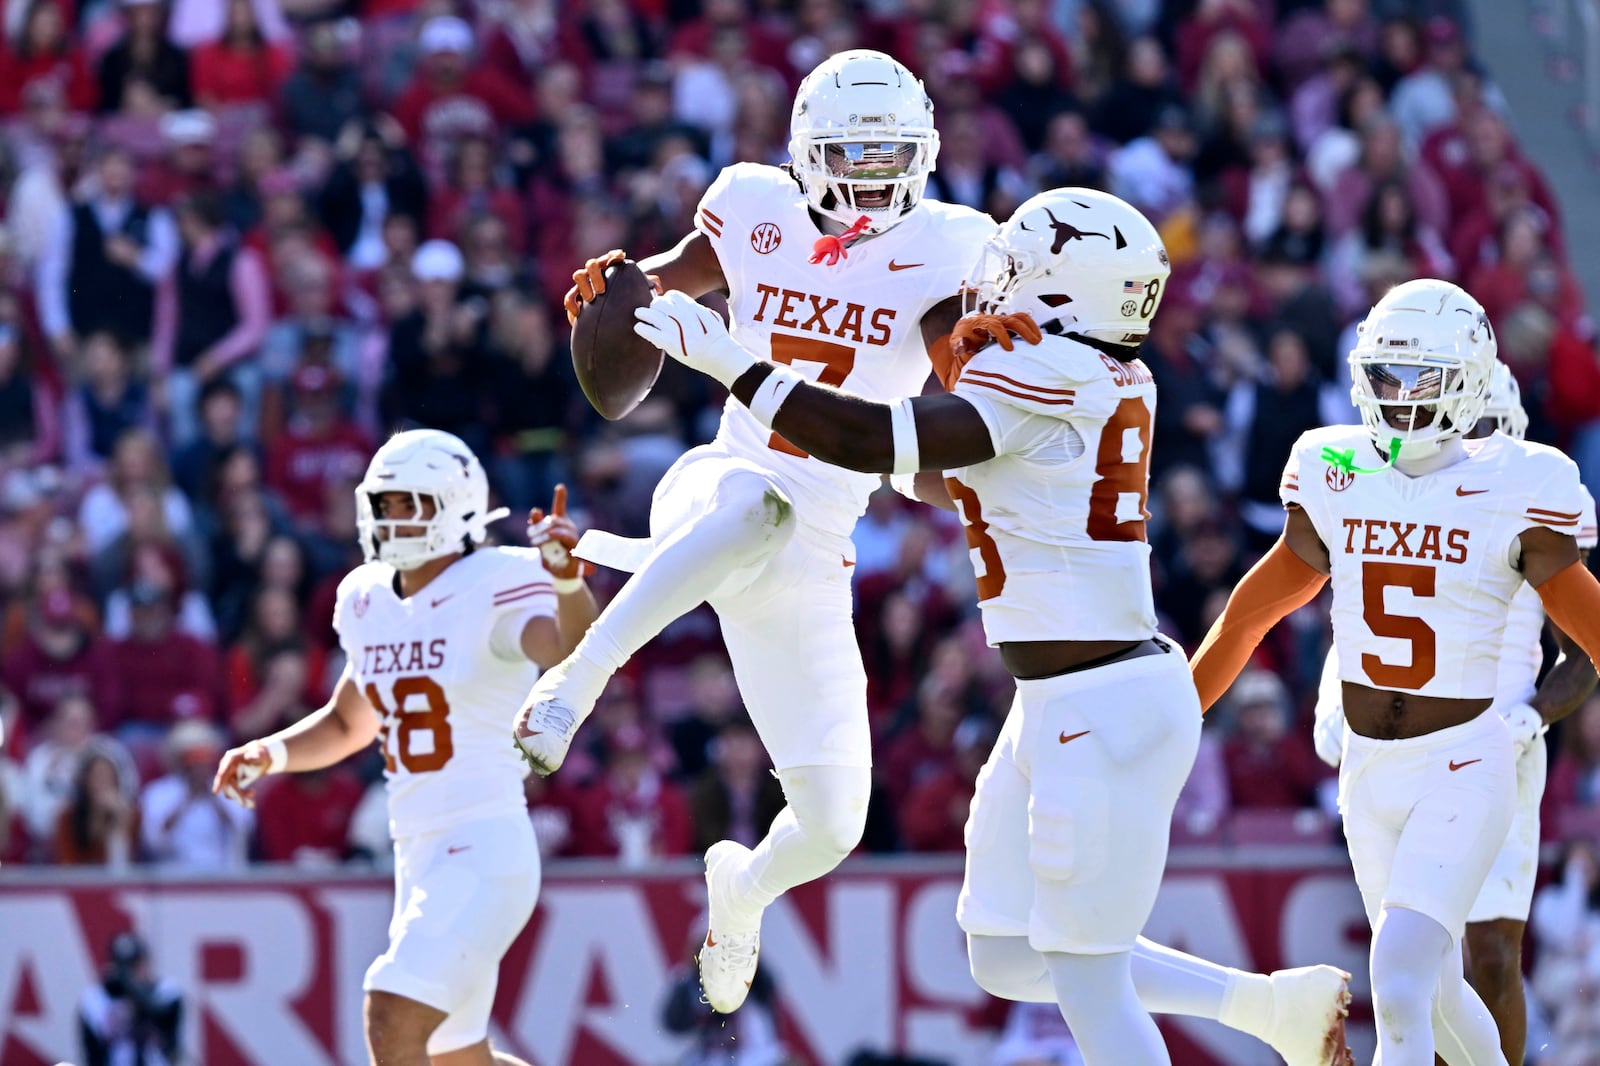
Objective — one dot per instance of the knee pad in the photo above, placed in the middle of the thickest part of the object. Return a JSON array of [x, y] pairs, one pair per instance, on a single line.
[[1007, 968], [829, 803]]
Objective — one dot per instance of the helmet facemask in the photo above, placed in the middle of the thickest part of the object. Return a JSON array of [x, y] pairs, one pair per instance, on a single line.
[[847, 177], [1419, 400], [403, 543]]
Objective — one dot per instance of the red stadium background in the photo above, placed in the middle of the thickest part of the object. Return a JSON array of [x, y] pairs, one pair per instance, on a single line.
[[867, 958]]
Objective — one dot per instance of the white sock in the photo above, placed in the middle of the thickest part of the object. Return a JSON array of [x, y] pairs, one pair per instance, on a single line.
[[1098, 1001], [1463, 1028], [745, 523], [821, 825], [1409, 952]]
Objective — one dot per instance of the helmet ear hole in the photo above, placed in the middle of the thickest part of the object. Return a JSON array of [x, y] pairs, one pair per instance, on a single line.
[[1055, 299]]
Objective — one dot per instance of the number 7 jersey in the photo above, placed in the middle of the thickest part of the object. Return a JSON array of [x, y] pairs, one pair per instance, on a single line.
[[445, 672], [1055, 522], [1425, 568]]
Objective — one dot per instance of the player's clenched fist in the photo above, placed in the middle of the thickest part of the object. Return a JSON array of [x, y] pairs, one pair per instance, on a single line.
[[555, 535], [591, 282], [241, 768]]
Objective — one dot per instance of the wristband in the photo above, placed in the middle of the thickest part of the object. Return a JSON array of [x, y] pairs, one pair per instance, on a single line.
[[905, 485], [277, 755], [907, 459], [771, 393], [566, 586]]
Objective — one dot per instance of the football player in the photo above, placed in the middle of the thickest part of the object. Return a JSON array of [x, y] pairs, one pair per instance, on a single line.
[[837, 266], [1499, 915], [1427, 537], [441, 634], [1046, 436]]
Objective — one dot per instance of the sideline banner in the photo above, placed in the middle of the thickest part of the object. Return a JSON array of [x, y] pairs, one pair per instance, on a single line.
[[870, 958]]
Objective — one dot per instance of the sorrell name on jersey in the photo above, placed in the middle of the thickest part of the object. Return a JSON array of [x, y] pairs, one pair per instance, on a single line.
[[445, 671], [1056, 520], [1425, 568], [855, 325]]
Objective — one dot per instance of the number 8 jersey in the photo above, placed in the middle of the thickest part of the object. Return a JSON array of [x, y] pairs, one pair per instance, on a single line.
[[1055, 521], [445, 672], [1425, 568]]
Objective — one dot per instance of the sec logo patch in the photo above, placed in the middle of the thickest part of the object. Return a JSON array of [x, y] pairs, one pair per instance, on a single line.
[[360, 604], [1339, 479], [1128, 308], [766, 237]]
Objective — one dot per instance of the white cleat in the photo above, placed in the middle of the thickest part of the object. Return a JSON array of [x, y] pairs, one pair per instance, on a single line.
[[728, 959], [545, 726], [1309, 1006]]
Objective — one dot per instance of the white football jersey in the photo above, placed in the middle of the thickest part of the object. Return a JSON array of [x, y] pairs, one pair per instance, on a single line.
[[856, 325], [1424, 568], [428, 667], [1056, 520]]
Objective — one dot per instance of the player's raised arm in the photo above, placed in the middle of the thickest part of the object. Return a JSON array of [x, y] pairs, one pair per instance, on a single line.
[[340, 728], [546, 640], [921, 433]]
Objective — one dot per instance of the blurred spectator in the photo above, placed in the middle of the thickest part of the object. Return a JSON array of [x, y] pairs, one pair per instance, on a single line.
[[1566, 975], [211, 316], [1190, 412], [105, 255], [714, 703], [99, 824], [144, 73], [1099, 50], [156, 562], [274, 674], [60, 657], [180, 678], [197, 22], [1268, 765], [1152, 173], [470, 191], [1422, 101], [1575, 773], [305, 818], [1138, 96], [1503, 284], [1266, 417], [239, 66], [131, 1016], [374, 179], [1069, 155], [194, 466], [28, 428], [924, 748], [438, 369], [109, 403], [1207, 563], [183, 823], [136, 465], [451, 97], [1388, 225], [323, 94], [50, 771], [319, 446], [537, 401], [966, 174], [735, 797], [933, 815], [631, 812], [44, 56]]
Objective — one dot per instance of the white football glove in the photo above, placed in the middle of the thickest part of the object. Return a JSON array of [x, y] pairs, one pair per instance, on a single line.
[[694, 335], [1328, 733], [1526, 724]]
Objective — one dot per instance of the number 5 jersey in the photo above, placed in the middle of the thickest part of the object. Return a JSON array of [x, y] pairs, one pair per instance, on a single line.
[[1055, 521], [1425, 568], [445, 672]]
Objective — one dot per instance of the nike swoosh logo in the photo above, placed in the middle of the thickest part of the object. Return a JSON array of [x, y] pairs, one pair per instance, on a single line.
[[452, 596], [1469, 492], [710, 943], [902, 266], [1066, 738], [1454, 766], [452, 851]]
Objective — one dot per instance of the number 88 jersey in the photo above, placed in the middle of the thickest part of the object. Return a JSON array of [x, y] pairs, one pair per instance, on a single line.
[[445, 672], [1424, 568], [1055, 522]]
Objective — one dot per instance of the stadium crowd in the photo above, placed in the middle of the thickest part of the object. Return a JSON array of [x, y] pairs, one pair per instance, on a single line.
[[244, 240]]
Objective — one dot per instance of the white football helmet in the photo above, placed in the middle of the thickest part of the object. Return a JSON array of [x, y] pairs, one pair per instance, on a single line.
[[1505, 403], [1421, 365], [1079, 257], [862, 139], [426, 463]]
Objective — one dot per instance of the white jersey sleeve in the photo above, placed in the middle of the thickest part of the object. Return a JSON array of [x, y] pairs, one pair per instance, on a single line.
[[1554, 497], [1057, 517], [1588, 528]]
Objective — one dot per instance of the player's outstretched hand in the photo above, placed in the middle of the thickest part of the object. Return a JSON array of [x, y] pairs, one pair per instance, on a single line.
[[556, 535], [238, 772], [694, 335], [591, 282]]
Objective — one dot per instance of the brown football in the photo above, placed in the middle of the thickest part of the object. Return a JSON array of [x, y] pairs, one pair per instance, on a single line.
[[615, 366]]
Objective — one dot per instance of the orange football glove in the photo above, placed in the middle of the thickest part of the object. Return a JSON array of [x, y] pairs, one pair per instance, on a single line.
[[555, 535], [975, 333], [591, 282]]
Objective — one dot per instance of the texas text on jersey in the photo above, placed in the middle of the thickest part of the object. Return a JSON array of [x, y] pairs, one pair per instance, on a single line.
[[442, 668], [854, 325]]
